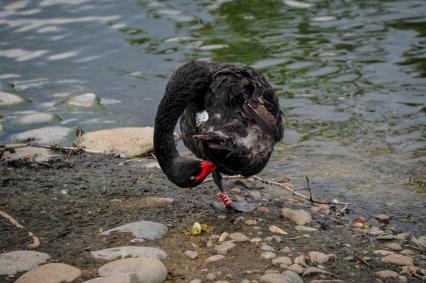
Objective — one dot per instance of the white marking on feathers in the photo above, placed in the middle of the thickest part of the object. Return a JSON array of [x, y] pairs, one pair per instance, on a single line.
[[201, 117]]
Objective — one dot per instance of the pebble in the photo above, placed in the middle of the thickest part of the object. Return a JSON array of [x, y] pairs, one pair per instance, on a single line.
[[263, 209], [129, 251], [313, 271], [374, 231], [266, 247], [387, 274], [282, 260], [322, 208], [223, 237], [211, 276], [223, 248], [296, 268], [298, 4], [191, 254], [407, 252], [45, 135], [398, 259], [274, 278], [146, 269], [130, 141], [300, 260], [292, 277], [146, 230], [277, 230], [19, 261], [52, 273], [196, 280], [214, 258], [85, 100], [236, 190], [402, 236], [267, 255], [386, 237], [119, 278], [383, 252], [35, 118], [420, 241], [9, 99], [250, 222], [382, 217], [255, 195], [394, 246], [300, 217], [157, 201], [272, 271], [256, 240], [286, 250], [320, 258], [238, 237], [305, 228]]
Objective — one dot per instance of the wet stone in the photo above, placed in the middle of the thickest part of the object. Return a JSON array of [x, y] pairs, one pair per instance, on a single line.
[[214, 258], [196, 280], [19, 261], [282, 260], [36, 118], [274, 278], [191, 254], [45, 136], [85, 100], [30, 153], [292, 277], [277, 230], [382, 217], [407, 252], [130, 251], [263, 209], [52, 273], [255, 195], [256, 240], [223, 237], [146, 230], [383, 252], [300, 217], [320, 258], [9, 99], [305, 228], [402, 236], [238, 237], [250, 222], [146, 269], [296, 268]]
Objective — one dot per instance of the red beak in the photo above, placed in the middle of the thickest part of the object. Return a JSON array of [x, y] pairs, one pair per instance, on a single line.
[[206, 168]]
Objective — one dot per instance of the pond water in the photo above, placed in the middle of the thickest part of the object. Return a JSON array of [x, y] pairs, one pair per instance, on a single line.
[[351, 76]]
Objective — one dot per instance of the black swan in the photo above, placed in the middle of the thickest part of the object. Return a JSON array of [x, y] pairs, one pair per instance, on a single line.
[[230, 119]]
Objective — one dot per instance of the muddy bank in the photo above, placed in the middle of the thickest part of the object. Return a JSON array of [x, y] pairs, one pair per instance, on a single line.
[[67, 203]]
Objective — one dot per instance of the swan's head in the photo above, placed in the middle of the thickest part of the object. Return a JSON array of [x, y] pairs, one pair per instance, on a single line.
[[190, 173]]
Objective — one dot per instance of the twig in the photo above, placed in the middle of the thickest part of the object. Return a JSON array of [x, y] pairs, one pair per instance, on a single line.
[[361, 259], [309, 188], [36, 241], [75, 143], [268, 182]]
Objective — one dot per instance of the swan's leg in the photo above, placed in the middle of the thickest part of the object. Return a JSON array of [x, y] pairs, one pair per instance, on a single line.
[[224, 196]]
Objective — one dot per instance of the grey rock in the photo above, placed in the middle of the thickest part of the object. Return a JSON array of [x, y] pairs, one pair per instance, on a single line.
[[147, 270], [238, 237], [191, 254], [305, 228], [223, 248], [129, 251], [282, 260], [30, 153], [256, 240], [46, 135], [394, 246], [146, 230], [19, 261], [120, 278], [274, 278], [266, 247], [9, 99], [36, 118], [296, 268], [386, 237], [52, 273], [255, 195], [300, 217], [85, 100], [292, 277], [398, 259], [268, 255]]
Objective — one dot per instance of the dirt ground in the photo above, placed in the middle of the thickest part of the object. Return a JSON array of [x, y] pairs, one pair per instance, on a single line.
[[68, 202]]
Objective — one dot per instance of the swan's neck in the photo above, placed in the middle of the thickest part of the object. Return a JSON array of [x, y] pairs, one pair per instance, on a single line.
[[188, 84]]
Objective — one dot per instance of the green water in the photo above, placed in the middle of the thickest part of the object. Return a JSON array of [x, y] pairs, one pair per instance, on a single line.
[[350, 76]]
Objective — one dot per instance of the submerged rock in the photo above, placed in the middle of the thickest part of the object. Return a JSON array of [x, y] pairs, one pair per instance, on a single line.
[[129, 251], [146, 230], [146, 269], [85, 100], [45, 136], [52, 273], [238, 237], [9, 99], [398, 259], [19, 261], [128, 141], [36, 118], [223, 248]]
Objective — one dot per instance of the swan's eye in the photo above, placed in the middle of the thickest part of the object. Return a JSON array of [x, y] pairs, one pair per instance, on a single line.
[[192, 178]]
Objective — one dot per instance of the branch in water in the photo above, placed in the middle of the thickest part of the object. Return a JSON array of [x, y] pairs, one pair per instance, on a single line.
[[36, 241]]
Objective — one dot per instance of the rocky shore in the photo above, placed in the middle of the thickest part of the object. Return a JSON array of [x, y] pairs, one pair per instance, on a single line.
[[100, 219]]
